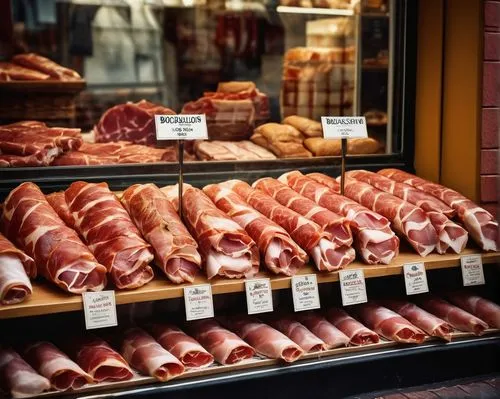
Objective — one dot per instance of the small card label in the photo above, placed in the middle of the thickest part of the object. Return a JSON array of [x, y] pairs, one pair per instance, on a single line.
[[99, 309], [259, 295], [415, 278], [181, 127], [344, 127], [472, 270], [352, 287], [199, 302], [305, 292]]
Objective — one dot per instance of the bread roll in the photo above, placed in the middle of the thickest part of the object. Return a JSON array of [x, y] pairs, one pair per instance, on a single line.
[[278, 132], [306, 126], [289, 150], [259, 139], [235, 86], [323, 147]]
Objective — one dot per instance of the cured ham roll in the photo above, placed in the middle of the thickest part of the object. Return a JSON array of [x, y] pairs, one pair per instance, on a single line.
[[264, 339], [374, 240], [174, 249], [480, 224], [16, 269], [323, 329], [480, 307], [280, 253], [110, 234], [226, 248], [182, 346], [57, 201], [458, 318], [62, 372], [429, 323], [450, 234], [304, 232], [388, 324], [224, 345], [18, 378], [299, 334], [61, 257], [147, 356], [357, 333]]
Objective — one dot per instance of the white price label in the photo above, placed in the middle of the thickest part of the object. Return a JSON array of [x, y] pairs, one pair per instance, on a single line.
[[415, 278], [352, 287], [181, 127], [259, 295], [344, 127], [99, 309], [472, 270], [305, 292], [199, 302]]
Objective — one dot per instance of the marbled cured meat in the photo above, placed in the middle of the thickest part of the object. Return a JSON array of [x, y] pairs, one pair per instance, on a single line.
[[58, 252], [480, 307], [10, 71], [110, 234], [298, 333], [41, 158], [450, 234], [57, 201], [357, 333], [174, 249], [323, 329], [46, 66], [280, 253]]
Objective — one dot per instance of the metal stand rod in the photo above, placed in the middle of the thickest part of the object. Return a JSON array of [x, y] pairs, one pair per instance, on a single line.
[[342, 174], [180, 154]]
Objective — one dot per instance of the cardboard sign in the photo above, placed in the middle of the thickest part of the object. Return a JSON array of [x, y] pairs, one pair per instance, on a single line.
[[472, 270], [344, 127], [352, 287], [99, 309], [415, 278], [198, 302], [181, 127], [259, 295], [305, 292]]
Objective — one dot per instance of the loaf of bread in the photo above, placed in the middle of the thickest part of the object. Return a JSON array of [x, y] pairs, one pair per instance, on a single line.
[[306, 126], [323, 147], [278, 132], [289, 149]]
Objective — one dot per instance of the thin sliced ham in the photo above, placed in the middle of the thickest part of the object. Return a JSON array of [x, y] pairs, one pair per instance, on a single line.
[[450, 234], [174, 248], [323, 329], [57, 201], [357, 333], [298, 333], [224, 345], [480, 307], [280, 253]]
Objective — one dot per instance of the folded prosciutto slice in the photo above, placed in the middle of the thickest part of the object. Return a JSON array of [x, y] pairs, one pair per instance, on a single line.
[[182, 346], [57, 201], [357, 333], [264, 339], [388, 324], [147, 356], [480, 307], [110, 234], [374, 240], [480, 224], [18, 378], [458, 318], [225, 247], [280, 253], [224, 345], [61, 257], [299, 334], [429, 323], [323, 329], [174, 248], [62, 372]]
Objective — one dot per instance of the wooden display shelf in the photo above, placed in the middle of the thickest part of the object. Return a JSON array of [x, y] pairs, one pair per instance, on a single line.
[[47, 298]]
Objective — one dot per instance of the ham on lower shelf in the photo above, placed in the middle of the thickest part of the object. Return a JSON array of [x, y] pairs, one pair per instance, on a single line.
[[298, 333], [480, 307], [323, 329], [357, 333]]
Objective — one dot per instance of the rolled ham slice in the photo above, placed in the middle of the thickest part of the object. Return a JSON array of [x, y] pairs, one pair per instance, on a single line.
[[62, 372], [18, 378], [182, 346], [147, 356], [388, 324], [357, 333], [224, 345], [61, 257], [299, 334], [280, 253], [110, 234], [323, 329], [174, 248], [480, 307], [57, 201]]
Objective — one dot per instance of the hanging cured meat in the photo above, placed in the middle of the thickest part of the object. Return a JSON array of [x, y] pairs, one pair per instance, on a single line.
[[174, 248], [357, 333], [18, 378], [299, 334], [110, 234], [224, 345], [225, 247], [480, 307], [480, 224], [147, 356], [31, 223], [323, 329], [374, 240], [280, 253], [182, 346]]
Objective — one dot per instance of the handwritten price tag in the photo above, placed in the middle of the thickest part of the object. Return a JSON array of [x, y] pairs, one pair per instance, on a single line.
[[344, 127], [352, 287], [199, 302], [99, 309], [305, 292], [259, 296], [472, 270], [415, 278], [181, 127]]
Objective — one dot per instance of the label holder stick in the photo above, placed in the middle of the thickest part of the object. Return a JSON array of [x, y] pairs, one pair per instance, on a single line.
[[180, 156], [342, 173]]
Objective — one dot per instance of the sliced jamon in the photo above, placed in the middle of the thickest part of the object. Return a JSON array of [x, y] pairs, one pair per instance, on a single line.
[[429, 323], [42, 64], [480, 224], [388, 324], [110, 234], [57, 201], [323, 329], [280, 253], [224, 345], [40, 158], [10, 71], [299, 334], [357, 333], [62, 372], [264, 339], [61, 257], [225, 247], [458, 318], [480, 307], [450, 234], [175, 250], [182, 346], [374, 240]]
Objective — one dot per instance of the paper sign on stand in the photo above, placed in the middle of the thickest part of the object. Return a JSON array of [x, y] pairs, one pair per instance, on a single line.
[[99, 309], [305, 292], [259, 295], [415, 278], [352, 287], [198, 302], [472, 270]]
